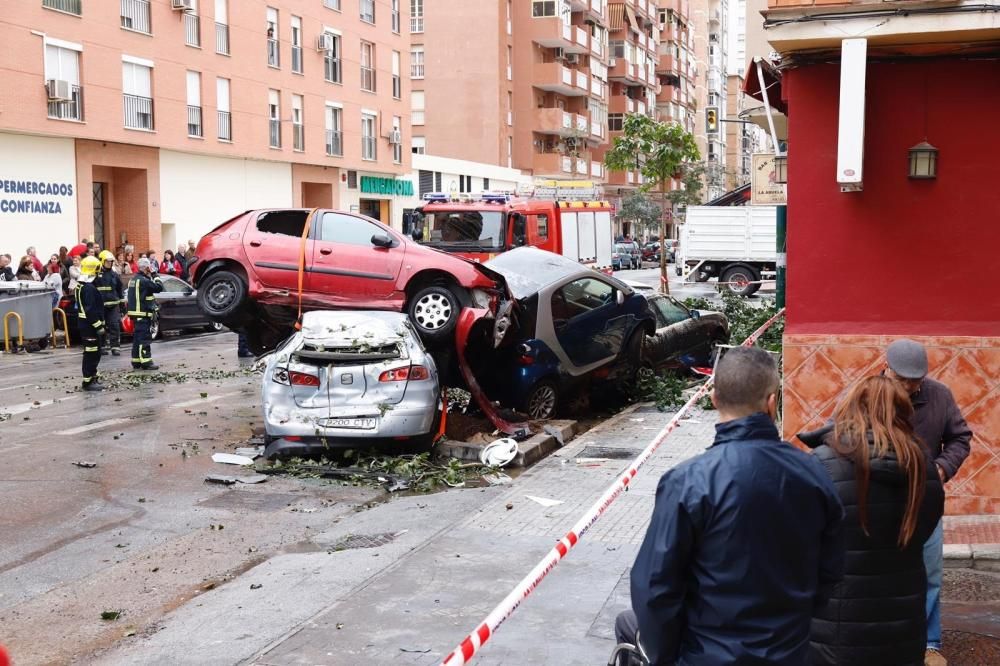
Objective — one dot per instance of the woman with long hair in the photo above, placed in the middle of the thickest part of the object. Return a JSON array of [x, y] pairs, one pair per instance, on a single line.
[[893, 499]]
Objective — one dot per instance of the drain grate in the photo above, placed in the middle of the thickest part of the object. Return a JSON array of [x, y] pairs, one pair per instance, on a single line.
[[353, 541], [608, 452]]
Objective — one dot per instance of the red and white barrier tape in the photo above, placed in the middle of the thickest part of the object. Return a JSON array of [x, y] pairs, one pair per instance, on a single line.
[[470, 646]]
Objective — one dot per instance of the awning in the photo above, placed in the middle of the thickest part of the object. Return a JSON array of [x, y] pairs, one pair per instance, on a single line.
[[738, 197], [772, 80], [616, 16], [633, 21]]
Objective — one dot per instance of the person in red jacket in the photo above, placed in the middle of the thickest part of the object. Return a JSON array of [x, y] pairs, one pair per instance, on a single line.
[[170, 265]]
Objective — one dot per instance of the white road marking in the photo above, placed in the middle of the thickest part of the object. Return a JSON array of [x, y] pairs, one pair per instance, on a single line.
[[21, 386], [92, 426], [202, 401], [23, 407]]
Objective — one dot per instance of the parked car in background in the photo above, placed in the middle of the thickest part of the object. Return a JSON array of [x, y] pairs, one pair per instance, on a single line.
[[253, 271], [348, 379], [626, 255], [651, 252], [574, 326], [684, 338]]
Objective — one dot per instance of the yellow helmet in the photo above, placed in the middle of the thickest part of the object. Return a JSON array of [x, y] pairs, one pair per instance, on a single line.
[[106, 255], [90, 265]]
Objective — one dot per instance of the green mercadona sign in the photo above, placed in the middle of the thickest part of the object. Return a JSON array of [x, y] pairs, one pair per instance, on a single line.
[[379, 185]]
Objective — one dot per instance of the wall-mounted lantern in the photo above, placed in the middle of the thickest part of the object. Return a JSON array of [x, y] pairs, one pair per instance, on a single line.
[[923, 161]]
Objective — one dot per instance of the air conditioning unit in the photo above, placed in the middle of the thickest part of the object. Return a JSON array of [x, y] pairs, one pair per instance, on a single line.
[[324, 42], [573, 59], [59, 91], [395, 136], [560, 54], [182, 5], [612, 62]]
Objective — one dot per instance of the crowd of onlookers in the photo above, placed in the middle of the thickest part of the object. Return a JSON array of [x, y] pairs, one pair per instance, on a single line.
[[62, 268]]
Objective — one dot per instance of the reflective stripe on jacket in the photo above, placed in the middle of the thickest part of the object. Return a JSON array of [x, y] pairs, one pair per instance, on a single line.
[[142, 295], [90, 307]]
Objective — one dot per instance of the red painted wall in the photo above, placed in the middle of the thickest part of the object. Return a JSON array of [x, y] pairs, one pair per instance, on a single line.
[[903, 256]]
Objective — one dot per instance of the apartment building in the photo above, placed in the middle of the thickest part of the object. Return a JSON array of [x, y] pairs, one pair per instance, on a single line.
[[710, 25], [149, 122], [743, 138]]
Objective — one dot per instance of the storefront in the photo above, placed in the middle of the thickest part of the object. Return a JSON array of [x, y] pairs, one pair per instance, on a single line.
[[379, 196]]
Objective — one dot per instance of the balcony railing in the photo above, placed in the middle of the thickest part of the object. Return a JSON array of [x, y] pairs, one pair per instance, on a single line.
[[297, 59], [222, 38], [275, 133], [225, 122], [369, 148], [273, 52], [138, 112], [135, 15], [68, 6], [331, 69], [70, 109], [298, 136], [192, 30], [194, 121], [334, 142]]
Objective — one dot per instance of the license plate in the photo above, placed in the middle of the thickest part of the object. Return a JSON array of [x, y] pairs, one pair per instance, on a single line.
[[358, 424]]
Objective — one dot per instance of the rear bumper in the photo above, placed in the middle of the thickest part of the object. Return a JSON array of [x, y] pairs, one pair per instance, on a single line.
[[405, 419]]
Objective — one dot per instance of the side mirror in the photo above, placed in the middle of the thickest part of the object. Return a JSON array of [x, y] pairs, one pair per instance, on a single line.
[[695, 314], [382, 240], [520, 229], [620, 297], [188, 291]]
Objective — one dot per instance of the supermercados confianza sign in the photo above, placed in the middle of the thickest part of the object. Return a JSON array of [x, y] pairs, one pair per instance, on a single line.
[[35, 197]]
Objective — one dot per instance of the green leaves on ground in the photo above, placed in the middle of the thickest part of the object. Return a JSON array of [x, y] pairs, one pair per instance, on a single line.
[[666, 391], [745, 317], [111, 615]]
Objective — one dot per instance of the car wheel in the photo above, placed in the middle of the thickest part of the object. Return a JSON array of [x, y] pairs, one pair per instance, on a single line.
[[434, 311], [221, 295], [542, 400], [216, 326], [740, 280]]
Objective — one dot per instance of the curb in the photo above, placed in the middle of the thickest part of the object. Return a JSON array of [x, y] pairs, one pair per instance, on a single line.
[[531, 451], [981, 556]]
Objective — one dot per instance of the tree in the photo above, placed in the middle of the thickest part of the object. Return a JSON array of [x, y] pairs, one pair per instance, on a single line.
[[658, 150], [641, 210]]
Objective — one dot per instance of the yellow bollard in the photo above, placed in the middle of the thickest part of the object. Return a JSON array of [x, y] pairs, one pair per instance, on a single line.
[[6, 330], [65, 323]]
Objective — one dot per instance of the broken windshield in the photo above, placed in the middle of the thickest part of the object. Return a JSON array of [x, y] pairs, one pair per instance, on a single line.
[[483, 229]]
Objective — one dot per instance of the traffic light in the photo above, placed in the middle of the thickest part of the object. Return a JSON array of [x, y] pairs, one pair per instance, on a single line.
[[712, 119]]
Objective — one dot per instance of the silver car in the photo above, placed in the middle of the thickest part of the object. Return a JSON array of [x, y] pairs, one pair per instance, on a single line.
[[350, 379]]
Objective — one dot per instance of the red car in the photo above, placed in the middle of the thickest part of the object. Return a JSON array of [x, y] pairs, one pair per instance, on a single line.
[[249, 271]]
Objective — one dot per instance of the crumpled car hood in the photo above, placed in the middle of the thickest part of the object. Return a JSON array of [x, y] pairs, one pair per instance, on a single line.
[[332, 328]]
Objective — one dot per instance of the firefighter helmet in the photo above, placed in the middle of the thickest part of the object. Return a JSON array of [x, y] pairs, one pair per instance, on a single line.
[[106, 255], [90, 265]]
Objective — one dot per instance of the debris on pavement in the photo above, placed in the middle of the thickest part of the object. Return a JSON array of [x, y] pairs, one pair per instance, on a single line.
[[250, 451], [84, 463], [256, 586], [231, 459], [220, 478], [498, 479], [414, 650], [255, 478], [545, 501], [556, 433], [111, 615], [499, 453]]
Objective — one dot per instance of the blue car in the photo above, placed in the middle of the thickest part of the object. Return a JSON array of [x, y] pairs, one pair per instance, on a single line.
[[574, 326]]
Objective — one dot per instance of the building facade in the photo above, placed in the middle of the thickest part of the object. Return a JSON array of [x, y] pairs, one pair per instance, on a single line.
[[156, 120]]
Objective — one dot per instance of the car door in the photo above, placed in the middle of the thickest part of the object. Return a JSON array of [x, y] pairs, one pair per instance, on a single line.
[[273, 244], [347, 265], [589, 324]]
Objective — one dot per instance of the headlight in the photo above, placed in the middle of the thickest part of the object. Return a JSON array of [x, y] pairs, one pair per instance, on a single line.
[[481, 299]]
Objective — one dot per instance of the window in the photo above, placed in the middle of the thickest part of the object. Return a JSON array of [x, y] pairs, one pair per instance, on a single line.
[[137, 91], [224, 120], [616, 48], [481, 229], [135, 15], [368, 66], [543, 226], [285, 222], [510, 152], [68, 6], [397, 146], [369, 147], [296, 45], [417, 107], [416, 15], [192, 26], [347, 229], [273, 47], [221, 27], [274, 118], [395, 16], [418, 145], [543, 8], [332, 4], [194, 104], [331, 61], [580, 297], [63, 64], [510, 108], [298, 126], [367, 8], [334, 130], [417, 62], [397, 83], [510, 63], [668, 312], [615, 122]]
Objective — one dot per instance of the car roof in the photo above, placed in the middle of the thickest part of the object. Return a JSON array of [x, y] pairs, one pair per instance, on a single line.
[[528, 270]]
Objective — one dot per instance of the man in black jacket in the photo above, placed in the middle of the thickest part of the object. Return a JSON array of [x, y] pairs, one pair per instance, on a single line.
[[744, 540], [90, 317], [141, 308], [940, 425]]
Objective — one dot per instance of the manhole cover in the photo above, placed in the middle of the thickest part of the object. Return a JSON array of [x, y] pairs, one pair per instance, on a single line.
[[608, 452], [353, 541], [248, 499]]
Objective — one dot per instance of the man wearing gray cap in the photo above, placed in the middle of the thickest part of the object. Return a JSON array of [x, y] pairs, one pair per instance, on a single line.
[[142, 308], [939, 423]]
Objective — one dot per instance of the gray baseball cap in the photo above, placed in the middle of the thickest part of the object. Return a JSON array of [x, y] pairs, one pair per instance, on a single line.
[[907, 358]]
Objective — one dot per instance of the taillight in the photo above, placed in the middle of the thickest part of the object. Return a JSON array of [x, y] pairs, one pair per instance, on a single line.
[[526, 355], [408, 373], [302, 379]]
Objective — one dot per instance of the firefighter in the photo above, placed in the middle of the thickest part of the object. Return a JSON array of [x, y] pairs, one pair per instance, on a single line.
[[110, 285], [90, 308], [142, 308]]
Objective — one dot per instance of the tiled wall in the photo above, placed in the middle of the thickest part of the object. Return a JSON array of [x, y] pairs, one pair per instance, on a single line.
[[818, 370]]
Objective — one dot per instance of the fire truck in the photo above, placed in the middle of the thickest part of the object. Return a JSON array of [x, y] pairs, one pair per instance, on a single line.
[[479, 227]]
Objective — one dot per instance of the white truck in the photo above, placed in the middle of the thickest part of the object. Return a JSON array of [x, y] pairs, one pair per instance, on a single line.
[[735, 244]]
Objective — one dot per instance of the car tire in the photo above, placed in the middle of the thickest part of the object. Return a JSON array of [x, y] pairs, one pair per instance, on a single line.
[[222, 295], [434, 310], [542, 401], [215, 327], [745, 276]]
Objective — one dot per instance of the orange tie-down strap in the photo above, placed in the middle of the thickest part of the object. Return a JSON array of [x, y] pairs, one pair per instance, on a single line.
[[302, 263]]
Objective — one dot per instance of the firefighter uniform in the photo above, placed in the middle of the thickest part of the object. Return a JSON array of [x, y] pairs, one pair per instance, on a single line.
[[90, 313], [142, 308], [110, 285]]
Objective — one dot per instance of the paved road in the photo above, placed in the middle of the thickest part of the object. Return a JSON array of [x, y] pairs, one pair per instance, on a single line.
[[681, 289]]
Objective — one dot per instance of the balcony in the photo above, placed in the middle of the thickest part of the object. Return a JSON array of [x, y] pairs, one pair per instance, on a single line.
[[138, 112], [194, 121], [552, 164], [71, 109], [597, 88], [582, 166], [334, 143], [552, 33], [68, 6], [192, 30], [135, 15], [225, 122], [598, 131], [559, 122], [623, 70], [222, 38], [556, 77]]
